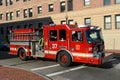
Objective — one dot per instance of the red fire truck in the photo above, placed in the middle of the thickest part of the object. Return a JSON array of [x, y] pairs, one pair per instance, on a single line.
[[64, 43]]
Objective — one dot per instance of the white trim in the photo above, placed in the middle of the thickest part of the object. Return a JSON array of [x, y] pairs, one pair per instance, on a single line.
[[28, 50], [83, 54], [73, 53], [15, 49], [50, 52]]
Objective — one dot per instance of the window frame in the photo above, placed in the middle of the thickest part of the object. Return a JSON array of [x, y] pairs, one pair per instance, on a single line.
[[105, 4], [63, 22], [71, 21], [7, 16], [87, 3], [7, 2], [11, 2], [70, 5], [1, 16], [39, 9], [116, 27], [24, 0], [117, 2], [85, 22], [62, 6], [51, 7], [105, 17], [18, 13], [1, 2], [11, 15], [25, 13], [30, 12]]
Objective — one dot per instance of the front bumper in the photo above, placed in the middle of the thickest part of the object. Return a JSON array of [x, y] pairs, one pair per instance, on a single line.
[[100, 60], [107, 57]]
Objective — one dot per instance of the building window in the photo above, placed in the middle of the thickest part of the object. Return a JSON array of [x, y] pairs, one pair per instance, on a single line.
[[87, 2], [39, 9], [107, 22], [70, 22], [70, 5], [18, 13], [17, 0], [107, 2], [7, 2], [0, 2], [24, 0], [63, 22], [117, 21], [11, 2], [7, 16], [117, 1], [25, 13], [30, 12], [62, 6], [1, 16], [50, 7], [11, 15], [87, 21]]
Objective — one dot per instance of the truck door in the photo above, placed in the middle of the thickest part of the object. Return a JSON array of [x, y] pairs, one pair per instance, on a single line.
[[77, 44], [63, 39]]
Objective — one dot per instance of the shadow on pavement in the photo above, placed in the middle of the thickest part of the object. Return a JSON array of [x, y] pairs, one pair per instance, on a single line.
[[6, 55]]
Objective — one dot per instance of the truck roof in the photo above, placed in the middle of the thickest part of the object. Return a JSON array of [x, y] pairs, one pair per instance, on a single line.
[[67, 26]]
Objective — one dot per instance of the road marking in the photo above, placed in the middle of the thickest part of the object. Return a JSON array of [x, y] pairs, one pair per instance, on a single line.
[[65, 71], [45, 67]]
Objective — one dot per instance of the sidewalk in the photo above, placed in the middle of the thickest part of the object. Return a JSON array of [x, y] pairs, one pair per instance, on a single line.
[[7, 73], [116, 53]]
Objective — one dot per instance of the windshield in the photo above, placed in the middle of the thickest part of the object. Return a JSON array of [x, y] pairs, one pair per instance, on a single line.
[[93, 36]]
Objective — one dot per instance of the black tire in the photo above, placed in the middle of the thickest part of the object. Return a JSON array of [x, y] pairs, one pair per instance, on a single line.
[[64, 59], [22, 55]]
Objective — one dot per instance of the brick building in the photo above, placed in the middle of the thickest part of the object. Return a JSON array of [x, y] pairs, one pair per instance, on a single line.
[[16, 14]]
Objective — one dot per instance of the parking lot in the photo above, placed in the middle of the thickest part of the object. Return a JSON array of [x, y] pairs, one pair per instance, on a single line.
[[53, 70]]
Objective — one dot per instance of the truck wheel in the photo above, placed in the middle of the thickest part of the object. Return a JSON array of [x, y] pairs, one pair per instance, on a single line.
[[22, 55], [64, 59]]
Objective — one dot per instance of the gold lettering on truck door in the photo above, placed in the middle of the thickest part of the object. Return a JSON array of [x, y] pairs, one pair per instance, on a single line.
[[77, 47]]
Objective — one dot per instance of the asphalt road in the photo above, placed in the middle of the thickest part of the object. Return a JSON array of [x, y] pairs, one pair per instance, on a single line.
[[110, 71]]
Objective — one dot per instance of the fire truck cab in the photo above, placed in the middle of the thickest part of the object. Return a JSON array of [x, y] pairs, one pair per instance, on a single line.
[[64, 43]]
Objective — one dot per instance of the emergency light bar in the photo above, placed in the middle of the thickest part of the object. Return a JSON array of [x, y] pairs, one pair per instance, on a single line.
[[91, 27]]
